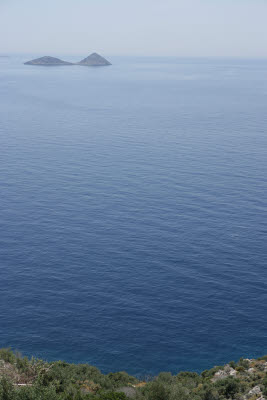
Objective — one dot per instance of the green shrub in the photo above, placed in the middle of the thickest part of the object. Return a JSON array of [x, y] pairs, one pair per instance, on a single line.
[[121, 378], [6, 390], [209, 373], [179, 392], [210, 394], [228, 387], [243, 363], [7, 355], [165, 377], [264, 358], [113, 396], [156, 391], [232, 364]]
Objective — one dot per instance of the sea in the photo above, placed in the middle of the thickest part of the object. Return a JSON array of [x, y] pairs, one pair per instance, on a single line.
[[133, 212]]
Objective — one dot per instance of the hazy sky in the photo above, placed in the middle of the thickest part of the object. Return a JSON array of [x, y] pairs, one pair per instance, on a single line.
[[136, 27]]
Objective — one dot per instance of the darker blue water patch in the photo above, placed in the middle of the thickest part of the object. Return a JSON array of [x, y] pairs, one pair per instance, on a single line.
[[133, 212]]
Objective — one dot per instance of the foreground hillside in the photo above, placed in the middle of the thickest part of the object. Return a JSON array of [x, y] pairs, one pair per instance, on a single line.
[[24, 379]]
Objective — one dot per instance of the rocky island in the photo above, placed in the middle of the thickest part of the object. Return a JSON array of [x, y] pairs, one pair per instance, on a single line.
[[94, 60], [47, 61]]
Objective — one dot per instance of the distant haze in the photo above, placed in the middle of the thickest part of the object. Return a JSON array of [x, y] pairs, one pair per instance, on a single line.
[[136, 27]]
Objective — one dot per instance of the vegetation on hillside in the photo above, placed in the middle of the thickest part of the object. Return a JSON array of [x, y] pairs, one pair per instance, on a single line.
[[32, 379]]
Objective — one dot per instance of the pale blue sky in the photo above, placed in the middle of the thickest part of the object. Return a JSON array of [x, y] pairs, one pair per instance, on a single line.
[[137, 27]]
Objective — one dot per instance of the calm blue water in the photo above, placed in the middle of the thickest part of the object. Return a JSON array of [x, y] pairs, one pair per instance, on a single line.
[[133, 212]]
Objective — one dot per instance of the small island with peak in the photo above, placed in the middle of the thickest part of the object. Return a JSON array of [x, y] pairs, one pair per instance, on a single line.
[[94, 60]]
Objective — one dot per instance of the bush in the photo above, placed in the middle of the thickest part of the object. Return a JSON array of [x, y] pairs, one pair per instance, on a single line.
[[179, 392], [228, 387], [157, 391], [7, 355], [243, 363], [264, 358], [209, 373], [165, 377], [210, 394], [232, 364], [6, 390], [121, 378]]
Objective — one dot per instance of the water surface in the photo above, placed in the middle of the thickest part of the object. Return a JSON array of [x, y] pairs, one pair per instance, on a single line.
[[133, 212]]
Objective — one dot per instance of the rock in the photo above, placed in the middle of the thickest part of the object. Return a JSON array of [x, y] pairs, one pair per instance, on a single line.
[[94, 60], [251, 370], [253, 391], [224, 373], [47, 61], [232, 372]]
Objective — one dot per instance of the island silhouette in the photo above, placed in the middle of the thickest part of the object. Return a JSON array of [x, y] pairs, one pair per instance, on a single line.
[[93, 60]]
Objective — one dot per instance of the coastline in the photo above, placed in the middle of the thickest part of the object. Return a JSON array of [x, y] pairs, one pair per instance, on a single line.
[[23, 378]]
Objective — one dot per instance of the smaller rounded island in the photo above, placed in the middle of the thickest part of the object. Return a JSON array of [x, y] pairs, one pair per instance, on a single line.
[[48, 61]]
